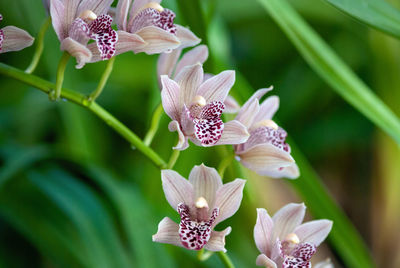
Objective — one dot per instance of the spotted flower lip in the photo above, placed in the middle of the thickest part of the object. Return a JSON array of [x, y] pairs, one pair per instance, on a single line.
[[266, 151], [195, 106], [13, 38], [202, 202], [284, 242], [78, 21]]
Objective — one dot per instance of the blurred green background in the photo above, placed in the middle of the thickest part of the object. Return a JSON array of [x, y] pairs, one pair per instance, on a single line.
[[73, 193]]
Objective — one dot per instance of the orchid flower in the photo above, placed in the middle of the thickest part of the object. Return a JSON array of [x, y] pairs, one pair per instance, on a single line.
[[13, 38], [283, 241], [195, 106], [202, 202], [266, 151], [78, 21]]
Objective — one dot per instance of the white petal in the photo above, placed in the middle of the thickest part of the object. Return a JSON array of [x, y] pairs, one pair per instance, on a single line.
[[245, 114], [287, 219], [157, 39], [98, 7], [183, 140], [267, 109], [217, 240], [314, 232], [217, 87], [263, 260], [177, 189], [57, 11], [186, 37], [129, 42], [263, 231], [198, 54], [231, 105], [15, 39], [170, 98], [229, 197], [234, 133], [168, 233], [324, 264], [206, 181], [77, 50], [189, 80], [122, 14]]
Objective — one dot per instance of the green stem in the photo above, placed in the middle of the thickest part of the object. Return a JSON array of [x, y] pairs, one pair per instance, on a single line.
[[225, 259], [103, 80], [47, 87], [39, 47], [226, 161], [56, 92], [204, 255], [172, 160], [155, 120]]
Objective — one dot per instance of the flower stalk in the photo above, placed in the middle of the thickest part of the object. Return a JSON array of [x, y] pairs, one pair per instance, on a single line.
[[103, 80], [225, 260], [56, 92], [155, 121], [173, 158]]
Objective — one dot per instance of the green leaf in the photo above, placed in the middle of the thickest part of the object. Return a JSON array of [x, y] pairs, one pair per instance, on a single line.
[[376, 13], [331, 68]]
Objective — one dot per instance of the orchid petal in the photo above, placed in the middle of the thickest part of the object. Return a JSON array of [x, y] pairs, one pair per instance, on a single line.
[[263, 231], [198, 54], [217, 87], [167, 233], [287, 219], [77, 50], [166, 63], [267, 109], [137, 7], [314, 232], [217, 240], [228, 199], [189, 80], [122, 14], [183, 140], [176, 189], [157, 39], [234, 133], [98, 7], [170, 97], [57, 11], [231, 105], [263, 260], [186, 37], [206, 181], [70, 13], [251, 105], [15, 39], [324, 264]]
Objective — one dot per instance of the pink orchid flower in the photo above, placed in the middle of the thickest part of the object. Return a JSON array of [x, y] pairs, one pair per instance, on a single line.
[[13, 38], [195, 106], [202, 202], [284, 242], [78, 21], [266, 151]]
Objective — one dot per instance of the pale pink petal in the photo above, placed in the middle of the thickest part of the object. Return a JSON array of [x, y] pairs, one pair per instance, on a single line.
[[267, 109], [137, 6], [166, 63], [314, 232], [217, 240], [15, 39], [287, 219], [98, 7], [57, 11], [183, 140], [231, 105], [186, 37], [70, 13], [176, 189], [263, 260], [189, 80], [167, 233], [234, 133], [250, 105], [206, 181], [77, 50], [122, 14], [228, 199], [170, 97], [157, 39], [263, 231], [217, 87], [324, 264], [198, 54], [289, 172]]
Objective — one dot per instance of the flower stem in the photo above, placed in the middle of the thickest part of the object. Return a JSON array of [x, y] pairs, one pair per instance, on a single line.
[[56, 92], [226, 161], [103, 80], [204, 255], [172, 160], [225, 259], [155, 120], [39, 47]]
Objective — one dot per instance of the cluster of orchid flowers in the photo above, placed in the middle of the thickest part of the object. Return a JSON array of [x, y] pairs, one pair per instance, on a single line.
[[195, 102]]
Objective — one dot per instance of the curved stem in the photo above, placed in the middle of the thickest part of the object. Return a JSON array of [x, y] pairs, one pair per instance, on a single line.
[[103, 80], [155, 120], [56, 92], [226, 161], [39, 47], [172, 160], [204, 255], [225, 259]]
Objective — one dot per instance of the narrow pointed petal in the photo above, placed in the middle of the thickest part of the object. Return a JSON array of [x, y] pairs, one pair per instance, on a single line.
[[15, 39], [267, 109], [287, 219], [217, 240], [234, 133], [157, 39], [206, 181], [231, 105], [177, 189], [170, 98], [167, 233], [166, 63], [189, 80], [263, 260], [98, 7], [122, 14], [57, 11], [186, 37], [263, 231], [314, 232], [77, 50], [248, 112], [324, 264], [217, 87], [183, 141], [229, 197], [198, 54]]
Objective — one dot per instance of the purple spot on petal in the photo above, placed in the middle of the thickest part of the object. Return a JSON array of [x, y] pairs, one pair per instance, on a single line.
[[106, 38]]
